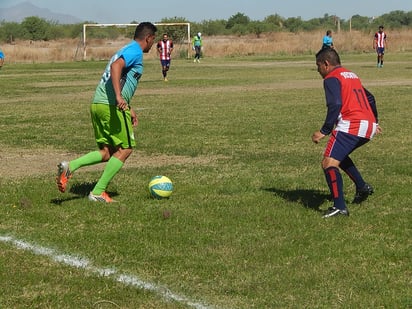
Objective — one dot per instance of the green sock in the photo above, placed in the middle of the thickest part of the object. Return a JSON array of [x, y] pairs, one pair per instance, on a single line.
[[88, 159], [112, 168]]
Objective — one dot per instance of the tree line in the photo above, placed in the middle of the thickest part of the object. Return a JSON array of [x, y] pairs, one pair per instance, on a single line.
[[36, 28]]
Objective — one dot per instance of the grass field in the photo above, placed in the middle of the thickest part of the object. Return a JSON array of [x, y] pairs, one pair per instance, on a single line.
[[245, 227]]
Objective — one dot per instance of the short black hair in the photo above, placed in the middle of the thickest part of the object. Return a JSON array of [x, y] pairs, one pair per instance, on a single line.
[[144, 29], [380, 27], [328, 54]]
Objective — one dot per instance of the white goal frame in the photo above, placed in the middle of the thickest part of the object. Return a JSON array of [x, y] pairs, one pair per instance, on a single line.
[[85, 26]]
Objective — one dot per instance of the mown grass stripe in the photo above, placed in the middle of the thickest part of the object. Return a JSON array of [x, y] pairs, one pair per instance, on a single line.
[[84, 263]]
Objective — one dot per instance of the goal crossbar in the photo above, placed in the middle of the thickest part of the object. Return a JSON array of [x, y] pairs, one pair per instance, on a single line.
[[85, 26]]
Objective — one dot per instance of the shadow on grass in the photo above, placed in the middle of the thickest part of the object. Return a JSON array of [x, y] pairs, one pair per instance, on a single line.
[[307, 198], [81, 190]]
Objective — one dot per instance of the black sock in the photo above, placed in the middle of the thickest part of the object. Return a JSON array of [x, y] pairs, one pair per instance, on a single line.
[[350, 169]]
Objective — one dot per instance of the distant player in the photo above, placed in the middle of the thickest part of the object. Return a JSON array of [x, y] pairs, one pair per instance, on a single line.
[[379, 44], [197, 46], [327, 41], [165, 48], [1, 59]]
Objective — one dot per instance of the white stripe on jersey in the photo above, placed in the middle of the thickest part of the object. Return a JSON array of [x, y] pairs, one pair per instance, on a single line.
[[363, 128], [343, 125]]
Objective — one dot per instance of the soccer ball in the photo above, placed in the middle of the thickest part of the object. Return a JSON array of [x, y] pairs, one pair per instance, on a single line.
[[160, 187]]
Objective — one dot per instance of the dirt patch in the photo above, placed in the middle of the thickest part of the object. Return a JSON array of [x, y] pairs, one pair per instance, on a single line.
[[20, 163]]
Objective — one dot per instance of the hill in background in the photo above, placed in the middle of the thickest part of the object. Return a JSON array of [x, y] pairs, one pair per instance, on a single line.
[[20, 11]]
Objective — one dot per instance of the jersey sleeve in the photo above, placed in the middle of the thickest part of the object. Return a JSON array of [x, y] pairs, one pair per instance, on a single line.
[[372, 103], [333, 103]]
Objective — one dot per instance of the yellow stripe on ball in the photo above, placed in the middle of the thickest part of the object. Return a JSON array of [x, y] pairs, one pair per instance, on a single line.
[[160, 187]]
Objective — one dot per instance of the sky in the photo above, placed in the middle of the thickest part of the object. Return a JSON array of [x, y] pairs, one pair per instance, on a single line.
[[125, 11]]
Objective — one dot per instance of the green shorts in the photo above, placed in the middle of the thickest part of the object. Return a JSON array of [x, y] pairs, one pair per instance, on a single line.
[[112, 126]]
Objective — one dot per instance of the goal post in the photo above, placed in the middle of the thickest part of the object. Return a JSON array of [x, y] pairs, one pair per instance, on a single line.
[[185, 25]]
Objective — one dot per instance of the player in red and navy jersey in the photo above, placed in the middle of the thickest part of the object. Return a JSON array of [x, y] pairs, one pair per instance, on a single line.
[[379, 44], [352, 120], [165, 48]]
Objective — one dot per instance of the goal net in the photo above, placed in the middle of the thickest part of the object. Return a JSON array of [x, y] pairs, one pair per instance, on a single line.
[[101, 41]]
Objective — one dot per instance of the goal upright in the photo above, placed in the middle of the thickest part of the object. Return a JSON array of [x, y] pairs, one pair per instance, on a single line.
[[184, 25]]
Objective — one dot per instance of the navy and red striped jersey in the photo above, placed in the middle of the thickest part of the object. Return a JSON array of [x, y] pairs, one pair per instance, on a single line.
[[165, 49], [351, 108], [380, 38]]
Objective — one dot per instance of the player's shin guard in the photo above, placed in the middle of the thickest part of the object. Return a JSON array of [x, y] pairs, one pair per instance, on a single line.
[[335, 183], [113, 166]]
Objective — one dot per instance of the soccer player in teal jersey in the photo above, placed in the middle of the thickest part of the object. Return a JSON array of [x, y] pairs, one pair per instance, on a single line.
[[327, 41], [197, 46], [112, 117], [1, 59]]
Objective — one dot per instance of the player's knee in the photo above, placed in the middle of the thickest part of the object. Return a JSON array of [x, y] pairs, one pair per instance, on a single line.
[[329, 162]]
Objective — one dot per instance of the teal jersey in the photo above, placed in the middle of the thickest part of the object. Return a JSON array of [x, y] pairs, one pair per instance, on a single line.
[[132, 55], [197, 41]]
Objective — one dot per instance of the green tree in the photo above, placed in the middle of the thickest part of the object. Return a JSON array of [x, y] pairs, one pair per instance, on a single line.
[[10, 31], [257, 27], [395, 19], [35, 28], [360, 22], [294, 24], [177, 34], [275, 20], [214, 27], [75, 31], [237, 19], [239, 29]]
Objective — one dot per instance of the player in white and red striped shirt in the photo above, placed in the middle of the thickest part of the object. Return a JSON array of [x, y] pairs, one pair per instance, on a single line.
[[165, 48], [379, 44], [351, 120]]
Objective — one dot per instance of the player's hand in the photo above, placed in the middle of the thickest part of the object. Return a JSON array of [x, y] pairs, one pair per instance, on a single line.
[[317, 136], [378, 129], [135, 120], [122, 104]]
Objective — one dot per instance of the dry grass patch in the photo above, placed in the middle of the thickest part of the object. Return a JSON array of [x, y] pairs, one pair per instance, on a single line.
[[19, 163], [214, 46]]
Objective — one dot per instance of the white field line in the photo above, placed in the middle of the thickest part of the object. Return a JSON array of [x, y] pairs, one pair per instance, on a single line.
[[84, 263]]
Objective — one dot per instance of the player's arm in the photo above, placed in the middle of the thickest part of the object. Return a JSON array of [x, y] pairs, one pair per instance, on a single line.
[[372, 103], [116, 69], [171, 47], [333, 104]]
